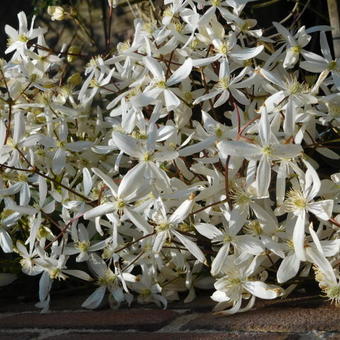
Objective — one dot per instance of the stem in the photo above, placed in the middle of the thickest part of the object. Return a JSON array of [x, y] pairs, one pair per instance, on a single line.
[[133, 261], [333, 12], [62, 231], [334, 221], [135, 241], [207, 206]]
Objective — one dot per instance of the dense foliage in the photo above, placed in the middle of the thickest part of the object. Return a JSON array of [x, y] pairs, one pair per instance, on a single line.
[[185, 160]]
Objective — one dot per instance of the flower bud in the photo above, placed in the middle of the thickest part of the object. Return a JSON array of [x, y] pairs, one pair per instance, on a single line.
[[113, 3], [73, 51], [75, 79], [56, 12]]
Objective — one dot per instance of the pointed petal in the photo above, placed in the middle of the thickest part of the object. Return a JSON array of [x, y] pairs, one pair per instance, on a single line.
[[100, 210], [191, 246], [262, 290], [181, 73], [208, 230], [288, 269], [106, 179]]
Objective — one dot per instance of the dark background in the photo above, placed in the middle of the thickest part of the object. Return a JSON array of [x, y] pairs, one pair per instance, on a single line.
[[265, 11]]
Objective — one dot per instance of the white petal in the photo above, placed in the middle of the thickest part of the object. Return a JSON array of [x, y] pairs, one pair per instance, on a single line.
[[94, 300], [299, 236], [249, 244], [181, 73], [59, 161], [79, 274], [132, 181], [208, 230], [6, 243], [322, 209], [181, 212], [198, 147], [247, 53], [106, 179], [191, 246], [205, 61], [171, 100], [154, 67], [138, 220], [45, 284], [102, 209], [272, 78], [264, 127], [159, 241], [289, 267], [42, 190], [262, 290], [312, 182], [263, 177], [127, 144], [87, 181], [239, 149], [219, 260], [207, 96]]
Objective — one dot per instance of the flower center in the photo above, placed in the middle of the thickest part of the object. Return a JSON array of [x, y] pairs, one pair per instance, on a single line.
[[215, 3], [23, 38], [223, 83], [332, 66], [83, 246], [333, 293], [162, 227], [107, 279], [161, 84], [296, 49]]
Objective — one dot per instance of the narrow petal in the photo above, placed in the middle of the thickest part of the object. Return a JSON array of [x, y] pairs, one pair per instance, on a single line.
[[322, 209], [106, 179], [94, 300], [191, 246], [208, 230], [288, 269], [219, 260], [171, 100], [262, 290], [181, 73], [154, 67], [100, 210], [299, 236], [263, 177], [138, 220]]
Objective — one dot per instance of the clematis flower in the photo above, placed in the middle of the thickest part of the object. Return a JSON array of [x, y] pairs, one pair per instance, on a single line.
[[18, 39], [300, 201], [269, 150], [234, 284], [161, 86]]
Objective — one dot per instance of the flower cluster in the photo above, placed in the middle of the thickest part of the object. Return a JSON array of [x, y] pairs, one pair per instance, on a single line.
[[186, 160]]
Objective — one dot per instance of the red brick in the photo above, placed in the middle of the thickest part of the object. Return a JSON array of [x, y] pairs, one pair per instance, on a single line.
[[169, 336], [140, 319], [275, 318]]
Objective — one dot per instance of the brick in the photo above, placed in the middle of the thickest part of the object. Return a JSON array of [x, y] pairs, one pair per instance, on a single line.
[[202, 303], [140, 319], [279, 317], [169, 336]]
